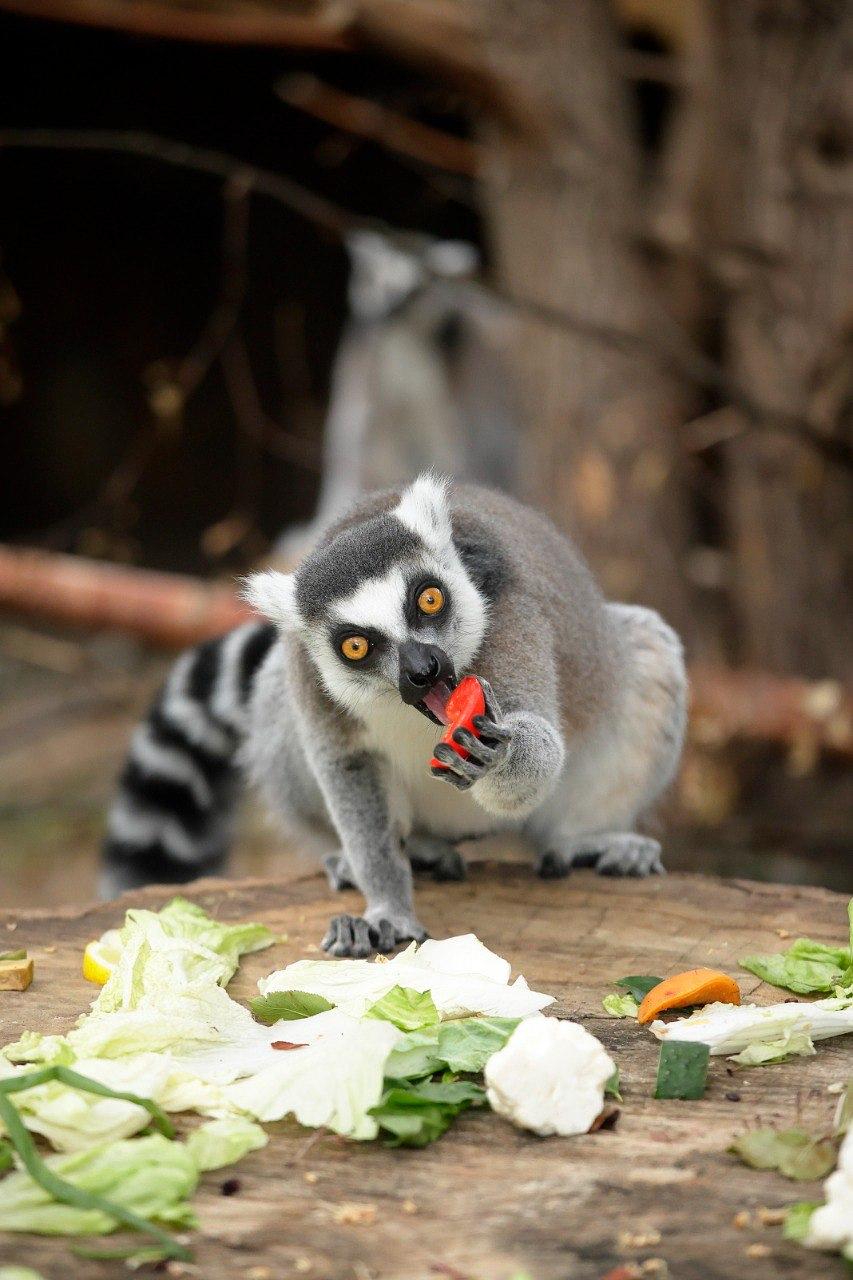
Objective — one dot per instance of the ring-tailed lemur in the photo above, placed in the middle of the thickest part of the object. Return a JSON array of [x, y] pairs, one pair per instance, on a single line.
[[585, 710], [419, 380]]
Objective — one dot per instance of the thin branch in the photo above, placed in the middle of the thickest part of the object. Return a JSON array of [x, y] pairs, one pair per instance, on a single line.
[[370, 120], [239, 24]]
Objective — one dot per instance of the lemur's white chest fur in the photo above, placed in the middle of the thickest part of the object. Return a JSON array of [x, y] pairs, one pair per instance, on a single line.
[[405, 740]]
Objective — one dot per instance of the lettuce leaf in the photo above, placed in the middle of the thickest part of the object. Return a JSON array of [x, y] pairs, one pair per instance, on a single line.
[[177, 947], [407, 1009], [468, 1044], [151, 1176], [796, 1154], [73, 1119], [463, 1044], [793, 1042], [797, 1219], [220, 1142], [333, 1082], [620, 1006], [416, 1114], [806, 966]]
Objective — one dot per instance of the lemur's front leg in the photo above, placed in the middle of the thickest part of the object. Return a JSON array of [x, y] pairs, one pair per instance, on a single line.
[[358, 806], [513, 761]]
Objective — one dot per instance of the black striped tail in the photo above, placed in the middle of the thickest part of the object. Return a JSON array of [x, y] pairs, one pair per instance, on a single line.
[[171, 820]]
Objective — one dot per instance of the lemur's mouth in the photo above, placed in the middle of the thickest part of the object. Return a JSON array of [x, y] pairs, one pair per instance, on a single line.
[[433, 704]]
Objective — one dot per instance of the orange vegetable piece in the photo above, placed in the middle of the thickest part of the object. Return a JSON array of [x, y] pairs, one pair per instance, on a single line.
[[696, 986]]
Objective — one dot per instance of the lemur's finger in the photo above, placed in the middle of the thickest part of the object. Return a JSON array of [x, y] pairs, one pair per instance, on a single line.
[[493, 711], [455, 779], [490, 729], [478, 750], [348, 936], [466, 768], [383, 935]]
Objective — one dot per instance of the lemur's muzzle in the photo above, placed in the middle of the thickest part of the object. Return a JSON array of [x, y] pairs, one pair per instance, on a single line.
[[426, 676]]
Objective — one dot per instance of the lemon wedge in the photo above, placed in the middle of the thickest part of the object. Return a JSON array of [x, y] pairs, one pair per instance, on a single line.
[[101, 957]]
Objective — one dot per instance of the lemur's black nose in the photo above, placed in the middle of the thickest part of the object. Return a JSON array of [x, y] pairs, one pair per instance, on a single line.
[[421, 667]]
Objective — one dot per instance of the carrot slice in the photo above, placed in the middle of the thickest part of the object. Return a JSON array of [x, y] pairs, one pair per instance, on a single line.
[[696, 986]]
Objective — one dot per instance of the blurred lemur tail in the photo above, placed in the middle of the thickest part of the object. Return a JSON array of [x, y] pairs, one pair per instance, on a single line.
[[172, 817]]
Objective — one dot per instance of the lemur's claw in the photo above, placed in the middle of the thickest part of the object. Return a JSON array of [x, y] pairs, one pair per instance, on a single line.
[[553, 866], [448, 775], [348, 936], [631, 855], [356, 937]]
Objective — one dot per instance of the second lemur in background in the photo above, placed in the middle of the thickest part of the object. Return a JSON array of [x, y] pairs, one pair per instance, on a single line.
[[419, 381], [330, 708]]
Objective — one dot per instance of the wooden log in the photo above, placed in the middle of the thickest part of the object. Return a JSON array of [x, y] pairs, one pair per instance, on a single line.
[[489, 1200], [168, 610]]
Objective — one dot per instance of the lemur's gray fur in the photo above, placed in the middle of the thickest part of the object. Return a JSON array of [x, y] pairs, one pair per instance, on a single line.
[[585, 711]]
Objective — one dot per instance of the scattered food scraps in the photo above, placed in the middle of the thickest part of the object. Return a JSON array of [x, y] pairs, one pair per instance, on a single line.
[[731, 1029], [101, 956], [682, 1070], [619, 1006], [631, 1240], [16, 972], [794, 1153], [355, 1215], [638, 985], [830, 1225], [550, 1077], [696, 986]]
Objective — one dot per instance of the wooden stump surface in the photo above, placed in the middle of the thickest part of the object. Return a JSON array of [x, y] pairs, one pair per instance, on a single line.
[[489, 1201]]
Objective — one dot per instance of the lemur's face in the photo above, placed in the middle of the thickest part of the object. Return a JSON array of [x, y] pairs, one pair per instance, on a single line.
[[386, 609]]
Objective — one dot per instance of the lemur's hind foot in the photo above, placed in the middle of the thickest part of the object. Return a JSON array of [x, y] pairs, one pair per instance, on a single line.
[[620, 853], [439, 858], [338, 872]]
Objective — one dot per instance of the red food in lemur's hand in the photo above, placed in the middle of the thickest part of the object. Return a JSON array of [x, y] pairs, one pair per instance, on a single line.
[[465, 703]]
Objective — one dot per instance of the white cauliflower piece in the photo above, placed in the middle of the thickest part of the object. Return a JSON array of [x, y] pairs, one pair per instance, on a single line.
[[831, 1225], [549, 1077]]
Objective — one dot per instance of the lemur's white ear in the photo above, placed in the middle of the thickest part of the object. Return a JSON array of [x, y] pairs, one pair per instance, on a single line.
[[273, 594], [424, 509]]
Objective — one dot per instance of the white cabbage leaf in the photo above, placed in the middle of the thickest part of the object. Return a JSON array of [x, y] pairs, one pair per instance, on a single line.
[[729, 1028], [461, 974]]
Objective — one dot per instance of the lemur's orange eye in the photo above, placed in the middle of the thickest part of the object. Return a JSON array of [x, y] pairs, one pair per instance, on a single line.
[[355, 648], [431, 600]]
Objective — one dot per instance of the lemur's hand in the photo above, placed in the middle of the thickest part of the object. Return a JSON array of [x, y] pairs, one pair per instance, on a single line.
[[486, 749]]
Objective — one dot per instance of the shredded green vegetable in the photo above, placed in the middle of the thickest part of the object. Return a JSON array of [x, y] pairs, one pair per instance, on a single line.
[[58, 1188]]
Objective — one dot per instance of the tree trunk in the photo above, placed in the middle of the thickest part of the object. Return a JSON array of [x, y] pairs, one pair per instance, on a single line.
[[602, 447], [782, 121]]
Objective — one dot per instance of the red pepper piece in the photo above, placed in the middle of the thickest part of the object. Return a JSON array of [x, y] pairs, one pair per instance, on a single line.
[[465, 703]]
